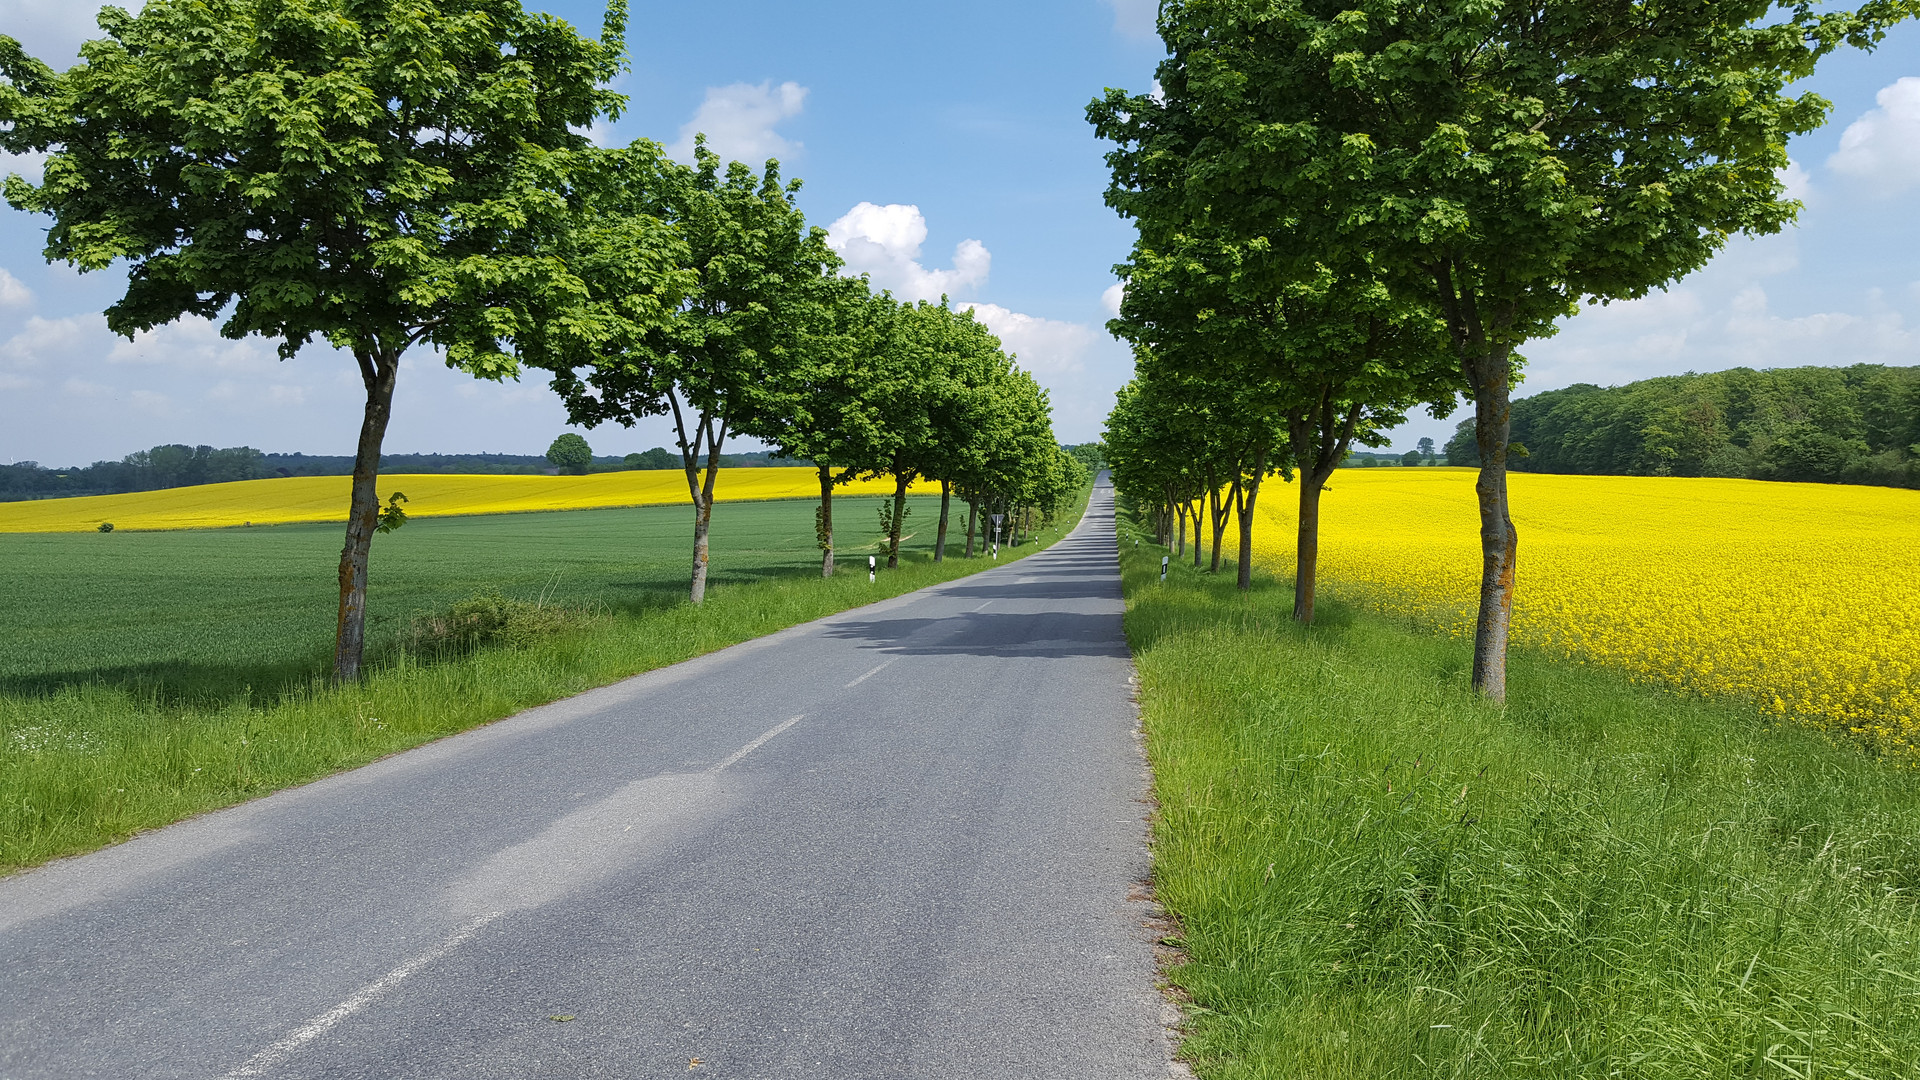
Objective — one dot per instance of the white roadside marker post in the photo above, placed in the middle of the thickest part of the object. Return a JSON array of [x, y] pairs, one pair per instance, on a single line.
[[1163, 568], [870, 568]]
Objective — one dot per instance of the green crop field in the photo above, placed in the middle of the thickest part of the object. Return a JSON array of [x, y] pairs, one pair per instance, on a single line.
[[145, 677], [204, 615]]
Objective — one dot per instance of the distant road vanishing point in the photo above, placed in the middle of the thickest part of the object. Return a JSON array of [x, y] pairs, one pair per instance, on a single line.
[[903, 841]]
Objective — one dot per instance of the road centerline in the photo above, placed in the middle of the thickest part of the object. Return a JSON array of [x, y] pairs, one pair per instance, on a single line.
[[875, 670], [757, 743], [258, 1064]]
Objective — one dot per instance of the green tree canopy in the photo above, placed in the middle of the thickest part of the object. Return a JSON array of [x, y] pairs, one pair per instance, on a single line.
[[719, 361], [1500, 162], [377, 173], [570, 451]]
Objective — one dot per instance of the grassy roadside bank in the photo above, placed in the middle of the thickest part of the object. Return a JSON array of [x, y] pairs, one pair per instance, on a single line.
[[92, 763], [1379, 875]]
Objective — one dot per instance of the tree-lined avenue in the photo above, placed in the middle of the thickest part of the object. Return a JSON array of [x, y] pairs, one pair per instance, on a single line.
[[897, 842]]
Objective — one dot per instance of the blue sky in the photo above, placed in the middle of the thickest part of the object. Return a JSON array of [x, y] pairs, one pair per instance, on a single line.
[[946, 146]]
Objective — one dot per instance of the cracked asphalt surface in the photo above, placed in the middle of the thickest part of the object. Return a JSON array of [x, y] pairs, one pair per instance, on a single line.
[[896, 842]]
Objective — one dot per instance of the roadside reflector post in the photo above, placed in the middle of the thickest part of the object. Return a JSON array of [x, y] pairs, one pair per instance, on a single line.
[[1163, 568], [870, 566]]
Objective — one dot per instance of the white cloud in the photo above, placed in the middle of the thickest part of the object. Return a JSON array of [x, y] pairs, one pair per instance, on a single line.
[[1711, 327], [599, 133], [883, 242], [31, 167], [48, 341], [738, 121], [1882, 148], [13, 293], [1043, 346], [85, 388], [1135, 18], [52, 30], [195, 345], [1110, 299], [1799, 185], [152, 402]]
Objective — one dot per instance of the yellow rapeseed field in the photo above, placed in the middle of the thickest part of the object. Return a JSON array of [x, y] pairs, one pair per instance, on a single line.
[[1802, 598], [324, 498]]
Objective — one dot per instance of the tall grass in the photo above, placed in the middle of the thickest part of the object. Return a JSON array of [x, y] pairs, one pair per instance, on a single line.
[[1380, 875], [92, 763]]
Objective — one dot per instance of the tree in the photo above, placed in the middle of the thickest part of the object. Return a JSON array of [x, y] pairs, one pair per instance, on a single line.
[[833, 393], [1756, 425], [571, 453], [1501, 162], [1425, 446], [933, 405], [1328, 353], [378, 173], [656, 458], [717, 361]]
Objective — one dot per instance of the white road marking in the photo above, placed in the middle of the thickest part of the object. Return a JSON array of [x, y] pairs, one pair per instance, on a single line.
[[260, 1063], [757, 743], [869, 675], [983, 607], [320, 1025]]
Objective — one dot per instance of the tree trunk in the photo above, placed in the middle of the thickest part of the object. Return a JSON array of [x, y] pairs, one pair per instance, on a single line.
[[973, 519], [1306, 558], [1249, 493], [1180, 511], [940, 537], [1486, 359], [1319, 437], [900, 482], [377, 371], [707, 434], [825, 529], [1499, 542], [1199, 507], [1220, 515]]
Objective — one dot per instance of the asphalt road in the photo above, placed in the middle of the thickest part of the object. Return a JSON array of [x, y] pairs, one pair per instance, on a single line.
[[904, 841]]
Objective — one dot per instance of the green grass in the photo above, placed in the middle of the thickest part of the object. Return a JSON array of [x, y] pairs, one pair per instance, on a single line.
[[201, 615], [148, 681], [1380, 875]]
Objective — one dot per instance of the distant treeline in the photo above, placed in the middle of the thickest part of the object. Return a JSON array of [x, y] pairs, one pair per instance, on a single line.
[[1852, 425], [178, 465]]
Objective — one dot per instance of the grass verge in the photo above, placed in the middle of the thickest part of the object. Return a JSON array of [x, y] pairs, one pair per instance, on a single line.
[[93, 762], [1380, 875]]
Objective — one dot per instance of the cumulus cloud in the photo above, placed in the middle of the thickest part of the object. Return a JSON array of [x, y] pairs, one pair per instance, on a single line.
[[1111, 299], [1043, 346], [739, 120], [43, 342], [13, 293], [883, 242], [1882, 148], [1135, 18]]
